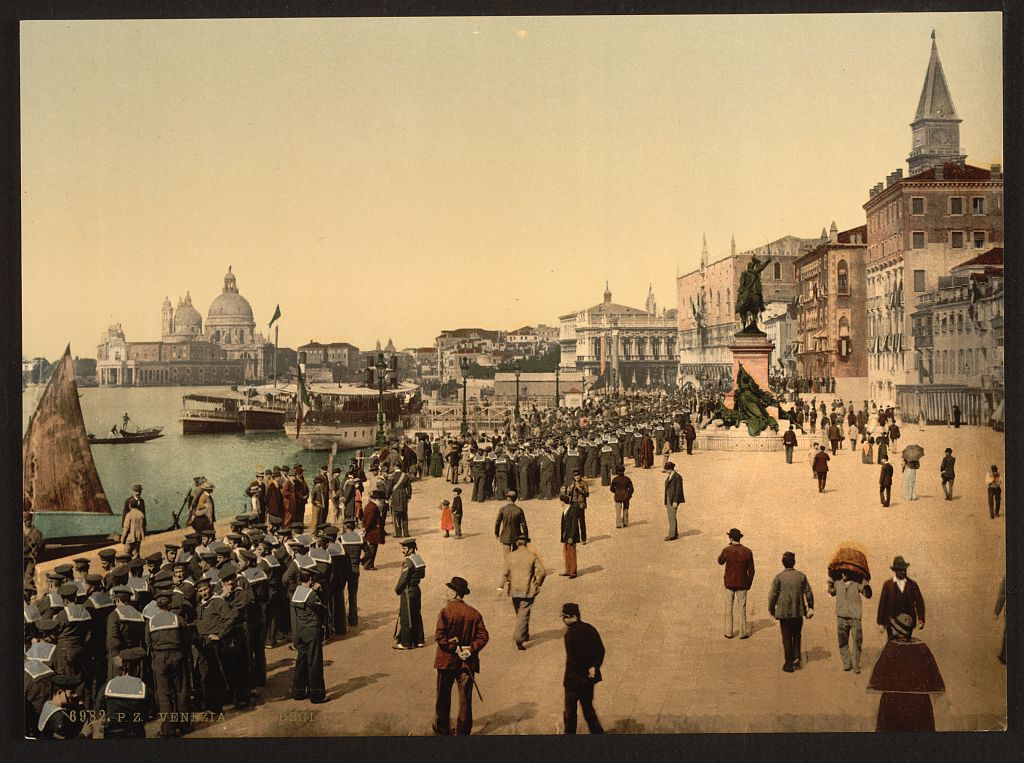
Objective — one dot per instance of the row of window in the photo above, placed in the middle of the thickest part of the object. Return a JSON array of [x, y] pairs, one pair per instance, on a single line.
[[956, 205], [957, 239], [965, 362]]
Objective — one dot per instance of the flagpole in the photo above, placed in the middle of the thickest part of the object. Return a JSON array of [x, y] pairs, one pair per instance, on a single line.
[[277, 330]]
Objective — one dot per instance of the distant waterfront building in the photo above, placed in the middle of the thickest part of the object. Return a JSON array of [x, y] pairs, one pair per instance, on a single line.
[[706, 301], [332, 362], [452, 344], [958, 338], [919, 228], [229, 351], [626, 346], [535, 388], [832, 331]]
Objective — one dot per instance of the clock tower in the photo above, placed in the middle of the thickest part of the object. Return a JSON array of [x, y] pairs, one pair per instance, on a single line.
[[936, 126]]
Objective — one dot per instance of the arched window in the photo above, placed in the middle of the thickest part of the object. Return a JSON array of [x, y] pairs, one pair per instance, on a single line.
[[778, 271], [728, 298], [843, 276], [718, 299], [844, 326], [959, 361]]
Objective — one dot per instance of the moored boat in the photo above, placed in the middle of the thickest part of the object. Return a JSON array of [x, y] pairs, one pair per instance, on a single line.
[[60, 484], [265, 409], [204, 413], [346, 414]]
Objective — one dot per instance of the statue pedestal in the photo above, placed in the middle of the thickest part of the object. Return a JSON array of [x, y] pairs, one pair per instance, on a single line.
[[754, 352]]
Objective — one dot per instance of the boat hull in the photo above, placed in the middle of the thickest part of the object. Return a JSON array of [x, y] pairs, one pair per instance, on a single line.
[[210, 425], [347, 437], [262, 419], [75, 525]]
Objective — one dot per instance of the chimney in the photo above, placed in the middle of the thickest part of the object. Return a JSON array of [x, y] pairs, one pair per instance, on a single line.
[[940, 172], [878, 187], [997, 172], [899, 175]]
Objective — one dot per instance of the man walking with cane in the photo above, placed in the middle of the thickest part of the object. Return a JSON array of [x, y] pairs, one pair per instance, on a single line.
[[460, 636]]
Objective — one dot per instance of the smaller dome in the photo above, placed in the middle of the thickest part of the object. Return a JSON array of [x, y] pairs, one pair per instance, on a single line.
[[187, 316]]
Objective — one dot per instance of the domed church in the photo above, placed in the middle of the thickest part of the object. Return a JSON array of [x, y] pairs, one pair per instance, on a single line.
[[229, 324]]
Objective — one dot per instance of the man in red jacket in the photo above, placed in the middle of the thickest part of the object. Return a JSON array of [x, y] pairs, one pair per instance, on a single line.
[[460, 636], [739, 576], [901, 595], [622, 489], [373, 528]]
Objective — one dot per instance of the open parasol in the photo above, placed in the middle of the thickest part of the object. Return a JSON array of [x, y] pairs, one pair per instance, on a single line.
[[913, 453], [850, 557]]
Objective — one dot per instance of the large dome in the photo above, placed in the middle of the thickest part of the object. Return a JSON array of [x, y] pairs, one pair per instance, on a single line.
[[230, 305], [230, 308]]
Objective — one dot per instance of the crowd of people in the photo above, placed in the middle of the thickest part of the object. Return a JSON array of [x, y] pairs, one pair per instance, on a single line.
[[183, 633]]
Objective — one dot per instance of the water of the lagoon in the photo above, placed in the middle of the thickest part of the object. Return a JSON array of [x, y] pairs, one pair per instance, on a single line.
[[165, 466]]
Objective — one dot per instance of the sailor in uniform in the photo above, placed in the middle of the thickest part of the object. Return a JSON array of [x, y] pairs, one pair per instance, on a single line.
[[125, 628], [234, 640], [213, 619], [138, 584], [257, 583], [339, 565], [168, 640], [51, 602], [353, 546], [44, 643], [100, 607], [308, 639], [276, 595], [571, 463], [170, 555], [74, 624], [61, 716], [607, 463], [478, 471], [37, 691], [123, 699], [107, 563], [409, 628]]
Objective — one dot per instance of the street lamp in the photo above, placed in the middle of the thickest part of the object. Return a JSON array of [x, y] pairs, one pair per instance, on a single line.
[[382, 370], [464, 365], [518, 369], [558, 370]]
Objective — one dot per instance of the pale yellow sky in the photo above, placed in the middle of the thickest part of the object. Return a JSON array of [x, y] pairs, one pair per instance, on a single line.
[[395, 177]]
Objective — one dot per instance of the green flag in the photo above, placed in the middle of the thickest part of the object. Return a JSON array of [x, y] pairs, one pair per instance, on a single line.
[[277, 314]]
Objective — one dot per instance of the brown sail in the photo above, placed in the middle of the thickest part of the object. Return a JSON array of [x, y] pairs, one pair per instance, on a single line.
[[58, 471]]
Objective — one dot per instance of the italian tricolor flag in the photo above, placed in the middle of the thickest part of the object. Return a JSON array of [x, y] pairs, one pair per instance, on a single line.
[[303, 403]]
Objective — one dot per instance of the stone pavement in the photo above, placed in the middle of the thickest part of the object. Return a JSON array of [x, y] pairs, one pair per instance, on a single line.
[[659, 606]]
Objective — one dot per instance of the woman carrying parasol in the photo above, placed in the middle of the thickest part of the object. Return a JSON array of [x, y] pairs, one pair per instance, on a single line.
[[912, 455]]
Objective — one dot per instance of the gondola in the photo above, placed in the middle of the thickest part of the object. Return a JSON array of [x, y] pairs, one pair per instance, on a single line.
[[125, 438]]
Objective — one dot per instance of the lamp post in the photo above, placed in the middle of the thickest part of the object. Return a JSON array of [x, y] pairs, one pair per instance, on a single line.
[[518, 370], [558, 370], [382, 371], [464, 366]]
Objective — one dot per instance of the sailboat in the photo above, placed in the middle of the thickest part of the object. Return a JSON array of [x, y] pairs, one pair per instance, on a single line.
[[60, 485]]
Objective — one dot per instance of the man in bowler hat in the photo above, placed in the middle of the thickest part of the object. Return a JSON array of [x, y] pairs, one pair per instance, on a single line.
[[460, 636], [673, 497], [739, 576], [900, 595]]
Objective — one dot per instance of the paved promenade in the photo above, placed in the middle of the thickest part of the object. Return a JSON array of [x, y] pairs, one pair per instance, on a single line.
[[659, 606]]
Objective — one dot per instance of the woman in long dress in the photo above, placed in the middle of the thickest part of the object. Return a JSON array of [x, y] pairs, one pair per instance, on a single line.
[[910, 479]]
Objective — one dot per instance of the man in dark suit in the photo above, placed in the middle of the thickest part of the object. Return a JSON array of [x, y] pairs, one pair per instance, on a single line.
[[689, 434], [509, 526], [789, 442], [460, 636], [885, 482], [947, 470], [821, 468], [584, 653], [789, 601], [673, 497], [901, 595], [834, 437]]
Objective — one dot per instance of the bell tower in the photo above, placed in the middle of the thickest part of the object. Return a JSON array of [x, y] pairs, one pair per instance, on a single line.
[[936, 125]]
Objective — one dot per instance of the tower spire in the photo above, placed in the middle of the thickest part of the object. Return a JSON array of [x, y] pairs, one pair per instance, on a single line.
[[704, 252], [936, 125]]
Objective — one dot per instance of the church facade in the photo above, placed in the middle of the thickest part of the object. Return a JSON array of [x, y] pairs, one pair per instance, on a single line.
[[228, 350]]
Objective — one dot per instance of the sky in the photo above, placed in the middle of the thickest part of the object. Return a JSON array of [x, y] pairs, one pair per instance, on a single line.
[[396, 177]]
